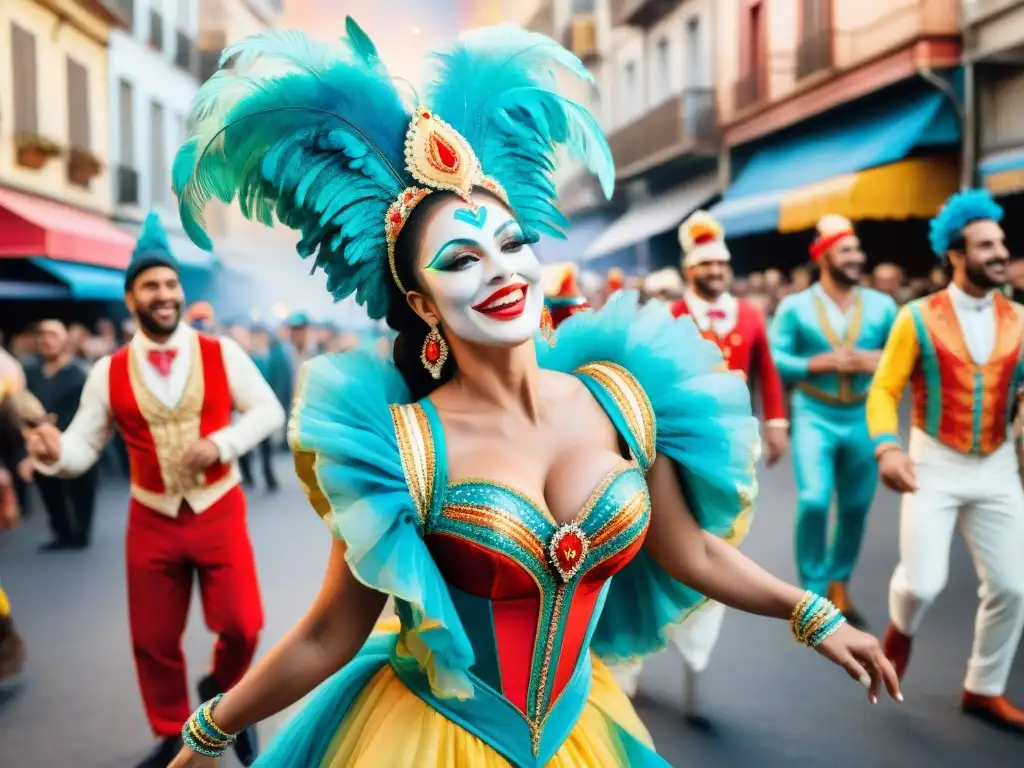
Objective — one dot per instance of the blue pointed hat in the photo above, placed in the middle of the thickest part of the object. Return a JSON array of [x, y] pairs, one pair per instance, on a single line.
[[151, 250]]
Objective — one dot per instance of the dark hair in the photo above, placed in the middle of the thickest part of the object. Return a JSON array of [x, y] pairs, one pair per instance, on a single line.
[[411, 328]]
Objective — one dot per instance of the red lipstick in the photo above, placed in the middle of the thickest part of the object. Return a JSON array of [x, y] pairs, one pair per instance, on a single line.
[[506, 303]]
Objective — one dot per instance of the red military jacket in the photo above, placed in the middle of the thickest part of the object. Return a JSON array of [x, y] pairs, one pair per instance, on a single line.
[[746, 350]]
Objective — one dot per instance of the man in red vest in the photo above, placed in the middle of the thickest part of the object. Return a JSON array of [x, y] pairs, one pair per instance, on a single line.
[[172, 392], [738, 328]]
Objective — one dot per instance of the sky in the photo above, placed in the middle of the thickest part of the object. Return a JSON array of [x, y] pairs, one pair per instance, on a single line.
[[404, 31]]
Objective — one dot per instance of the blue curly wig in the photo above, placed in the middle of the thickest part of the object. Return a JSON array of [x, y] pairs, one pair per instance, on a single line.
[[313, 135], [958, 211]]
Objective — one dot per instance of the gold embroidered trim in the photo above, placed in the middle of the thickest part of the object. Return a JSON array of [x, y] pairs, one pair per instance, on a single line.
[[631, 400], [499, 522], [416, 448], [846, 395], [632, 511], [305, 469], [173, 428]]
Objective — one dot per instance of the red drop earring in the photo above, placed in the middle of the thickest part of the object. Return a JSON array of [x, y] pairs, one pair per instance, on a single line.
[[434, 353]]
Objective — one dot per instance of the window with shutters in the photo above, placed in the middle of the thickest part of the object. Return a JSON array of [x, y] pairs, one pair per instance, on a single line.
[[159, 181], [26, 81], [126, 123], [78, 106]]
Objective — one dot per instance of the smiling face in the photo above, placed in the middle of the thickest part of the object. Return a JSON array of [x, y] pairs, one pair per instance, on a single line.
[[845, 261], [480, 274]]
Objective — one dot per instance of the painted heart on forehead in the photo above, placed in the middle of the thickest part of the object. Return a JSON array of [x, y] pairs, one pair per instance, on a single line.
[[480, 272], [475, 218]]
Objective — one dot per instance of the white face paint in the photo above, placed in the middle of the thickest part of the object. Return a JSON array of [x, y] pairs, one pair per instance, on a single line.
[[481, 273]]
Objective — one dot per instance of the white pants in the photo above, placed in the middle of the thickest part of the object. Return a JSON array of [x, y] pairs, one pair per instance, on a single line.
[[984, 495], [695, 639]]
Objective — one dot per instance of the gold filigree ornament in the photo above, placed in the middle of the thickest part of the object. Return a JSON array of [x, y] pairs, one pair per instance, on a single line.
[[441, 160]]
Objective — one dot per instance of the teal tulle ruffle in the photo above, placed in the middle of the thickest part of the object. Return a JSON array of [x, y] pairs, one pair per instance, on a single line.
[[703, 423]]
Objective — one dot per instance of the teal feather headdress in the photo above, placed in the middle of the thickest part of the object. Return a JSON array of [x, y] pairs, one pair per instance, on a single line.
[[957, 212], [152, 249], [319, 137]]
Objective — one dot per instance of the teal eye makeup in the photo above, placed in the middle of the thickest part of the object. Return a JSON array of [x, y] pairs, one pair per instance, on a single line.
[[454, 254]]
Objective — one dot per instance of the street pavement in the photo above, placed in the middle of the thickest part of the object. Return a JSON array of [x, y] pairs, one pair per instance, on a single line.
[[768, 701]]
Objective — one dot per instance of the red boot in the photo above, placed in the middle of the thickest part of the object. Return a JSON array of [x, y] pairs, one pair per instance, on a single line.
[[896, 647], [994, 710]]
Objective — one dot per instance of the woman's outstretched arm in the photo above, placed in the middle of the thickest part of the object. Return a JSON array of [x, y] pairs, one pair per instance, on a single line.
[[718, 570], [324, 640]]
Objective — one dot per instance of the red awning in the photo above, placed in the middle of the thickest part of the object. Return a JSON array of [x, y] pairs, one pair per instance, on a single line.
[[32, 226]]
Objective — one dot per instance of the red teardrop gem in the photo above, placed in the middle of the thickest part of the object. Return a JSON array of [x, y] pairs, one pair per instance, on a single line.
[[569, 551], [445, 152], [396, 217], [432, 352]]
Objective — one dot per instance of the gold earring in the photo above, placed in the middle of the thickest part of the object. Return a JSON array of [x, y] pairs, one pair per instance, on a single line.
[[434, 353], [547, 326]]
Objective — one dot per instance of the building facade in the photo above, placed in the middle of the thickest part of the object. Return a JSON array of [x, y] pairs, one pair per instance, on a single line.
[[57, 244], [154, 68], [839, 106], [653, 62], [994, 50], [54, 137]]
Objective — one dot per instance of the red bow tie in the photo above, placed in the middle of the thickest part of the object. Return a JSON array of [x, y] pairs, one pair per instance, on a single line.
[[716, 314], [161, 359]]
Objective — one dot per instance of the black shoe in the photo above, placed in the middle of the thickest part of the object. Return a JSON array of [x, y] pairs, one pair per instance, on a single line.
[[56, 546], [272, 486], [247, 743], [164, 752]]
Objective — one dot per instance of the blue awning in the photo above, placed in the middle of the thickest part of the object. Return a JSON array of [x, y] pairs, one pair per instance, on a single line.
[[1002, 173], [23, 290], [583, 230], [849, 140], [86, 282]]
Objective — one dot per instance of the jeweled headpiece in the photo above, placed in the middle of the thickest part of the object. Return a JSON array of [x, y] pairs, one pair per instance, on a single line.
[[319, 138], [441, 160]]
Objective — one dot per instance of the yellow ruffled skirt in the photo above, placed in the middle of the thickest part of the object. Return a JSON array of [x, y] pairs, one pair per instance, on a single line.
[[389, 726]]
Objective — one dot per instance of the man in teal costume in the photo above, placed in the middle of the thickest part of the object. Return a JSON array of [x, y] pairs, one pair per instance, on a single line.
[[826, 341]]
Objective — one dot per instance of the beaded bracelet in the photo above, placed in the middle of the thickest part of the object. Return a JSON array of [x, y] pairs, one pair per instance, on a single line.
[[814, 620], [201, 734]]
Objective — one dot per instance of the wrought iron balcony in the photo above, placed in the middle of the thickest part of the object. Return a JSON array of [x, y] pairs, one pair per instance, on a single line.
[[580, 37], [156, 30], [641, 13], [814, 54], [685, 124], [127, 185]]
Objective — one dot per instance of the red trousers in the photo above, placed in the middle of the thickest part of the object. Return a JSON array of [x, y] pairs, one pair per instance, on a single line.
[[164, 555]]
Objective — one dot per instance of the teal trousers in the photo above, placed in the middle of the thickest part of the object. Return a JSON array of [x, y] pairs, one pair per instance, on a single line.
[[833, 455]]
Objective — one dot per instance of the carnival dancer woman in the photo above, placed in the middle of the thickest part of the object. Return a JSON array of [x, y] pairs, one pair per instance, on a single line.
[[533, 509]]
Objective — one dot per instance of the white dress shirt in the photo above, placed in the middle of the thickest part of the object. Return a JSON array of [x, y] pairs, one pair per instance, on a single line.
[[977, 321], [701, 309], [89, 431]]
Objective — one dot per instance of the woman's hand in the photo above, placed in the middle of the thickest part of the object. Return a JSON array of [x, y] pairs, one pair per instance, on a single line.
[[861, 656], [189, 759]]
